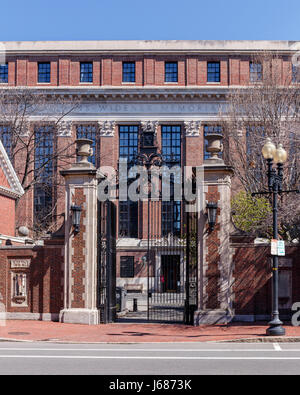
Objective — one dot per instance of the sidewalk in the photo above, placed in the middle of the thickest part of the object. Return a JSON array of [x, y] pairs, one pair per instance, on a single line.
[[135, 332]]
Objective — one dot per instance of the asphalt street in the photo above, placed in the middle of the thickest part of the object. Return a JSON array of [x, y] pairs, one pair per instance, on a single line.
[[149, 359]]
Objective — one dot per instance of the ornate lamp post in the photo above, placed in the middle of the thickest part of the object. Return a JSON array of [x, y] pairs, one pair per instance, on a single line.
[[279, 156]]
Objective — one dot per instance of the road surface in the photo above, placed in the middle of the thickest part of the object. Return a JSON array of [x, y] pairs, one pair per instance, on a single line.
[[149, 359]]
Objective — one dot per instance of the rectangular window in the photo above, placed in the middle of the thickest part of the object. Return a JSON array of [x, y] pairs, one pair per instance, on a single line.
[[128, 74], [295, 73], [3, 73], [171, 144], [171, 152], [6, 138], [208, 129], [255, 72], [129, 138], [171, 72], [44, 173], [128, 210], [213, 71], [127, 266], [44, 72], [90, 132], [86, 72]]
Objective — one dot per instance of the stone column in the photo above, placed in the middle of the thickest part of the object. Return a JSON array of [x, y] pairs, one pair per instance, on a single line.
[[80, 267], [215, 261]]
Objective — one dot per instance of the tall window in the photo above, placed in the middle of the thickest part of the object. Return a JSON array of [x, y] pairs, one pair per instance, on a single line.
[[171, 72], [44, 172], [129, 137], [128, 210], [295, 73], [171, 151], [86, 72], [213, 71], [128, 74], [90, 132], [207, 130], [4, 73], [6, 138], [44, 72], [255, 72]]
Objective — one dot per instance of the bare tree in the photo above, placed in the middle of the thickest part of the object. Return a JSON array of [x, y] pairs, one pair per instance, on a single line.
[[268, 107], [30, 122]]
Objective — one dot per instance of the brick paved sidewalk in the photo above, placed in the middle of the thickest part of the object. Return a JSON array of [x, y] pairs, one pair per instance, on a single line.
[[136, 333]]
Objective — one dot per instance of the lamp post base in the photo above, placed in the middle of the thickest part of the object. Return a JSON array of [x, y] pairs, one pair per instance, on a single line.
[[275, 328]]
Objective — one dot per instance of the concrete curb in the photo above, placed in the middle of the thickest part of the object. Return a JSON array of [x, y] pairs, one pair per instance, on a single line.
[[266, 339], [288, 339]]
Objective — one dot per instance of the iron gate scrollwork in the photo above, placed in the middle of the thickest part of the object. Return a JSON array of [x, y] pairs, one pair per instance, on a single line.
[[172, 266], [107, 261]]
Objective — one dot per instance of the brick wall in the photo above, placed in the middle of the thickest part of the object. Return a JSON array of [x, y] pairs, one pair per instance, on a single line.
[[252, 287], [212, 255], [107, 69], [44, 278]]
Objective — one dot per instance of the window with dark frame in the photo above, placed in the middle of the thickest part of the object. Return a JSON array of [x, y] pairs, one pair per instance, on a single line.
[[90, 132], [44, 171], [86, 71], [171, 152], [213, 71], [171, 72], [207, 130], [4, 73], [254, 157], [128, 72], [128, 210], [255, 72], [295, 73], [126, 266], [44, 71], [6, 138]]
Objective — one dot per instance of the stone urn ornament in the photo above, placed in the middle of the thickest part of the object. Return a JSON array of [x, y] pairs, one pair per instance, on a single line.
[[214, 145], [83, 151]]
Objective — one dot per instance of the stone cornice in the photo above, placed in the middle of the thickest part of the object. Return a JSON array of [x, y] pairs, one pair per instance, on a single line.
[[144, 47], [132, 93]]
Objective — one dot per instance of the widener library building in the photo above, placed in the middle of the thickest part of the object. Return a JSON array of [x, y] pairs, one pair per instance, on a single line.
[[72, 114]]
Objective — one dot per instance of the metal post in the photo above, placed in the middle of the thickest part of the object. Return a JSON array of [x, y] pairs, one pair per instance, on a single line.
[[148, 256], [275, 328]]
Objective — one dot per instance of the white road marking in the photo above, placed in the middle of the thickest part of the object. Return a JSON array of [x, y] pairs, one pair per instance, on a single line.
[[142, 349], [143, 357], [277, 347]]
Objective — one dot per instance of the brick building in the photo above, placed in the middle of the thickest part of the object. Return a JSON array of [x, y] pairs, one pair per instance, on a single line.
[[132, 97], [10, 191]]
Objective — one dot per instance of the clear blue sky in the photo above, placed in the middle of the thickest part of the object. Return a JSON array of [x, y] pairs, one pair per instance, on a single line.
[[150, 20]]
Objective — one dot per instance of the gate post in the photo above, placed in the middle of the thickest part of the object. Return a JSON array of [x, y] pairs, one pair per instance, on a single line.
[[215, 268], [80, 265]]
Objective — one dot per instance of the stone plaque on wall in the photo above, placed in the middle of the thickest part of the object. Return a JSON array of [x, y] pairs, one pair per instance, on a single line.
[[19, 263]]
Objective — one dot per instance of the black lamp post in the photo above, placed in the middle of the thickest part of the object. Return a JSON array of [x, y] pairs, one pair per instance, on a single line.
[[76, 213], [211, 214], [279, 156]]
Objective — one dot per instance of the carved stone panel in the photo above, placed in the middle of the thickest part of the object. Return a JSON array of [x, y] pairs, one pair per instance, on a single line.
[[192, 128], [107, 128]]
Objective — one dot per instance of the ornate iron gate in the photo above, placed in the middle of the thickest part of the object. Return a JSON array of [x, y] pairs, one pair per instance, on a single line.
[[172, 262], [172, 255], [107, 261]]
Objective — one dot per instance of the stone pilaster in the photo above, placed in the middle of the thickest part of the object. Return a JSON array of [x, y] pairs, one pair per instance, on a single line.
[[215, 266], [80, 271]]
